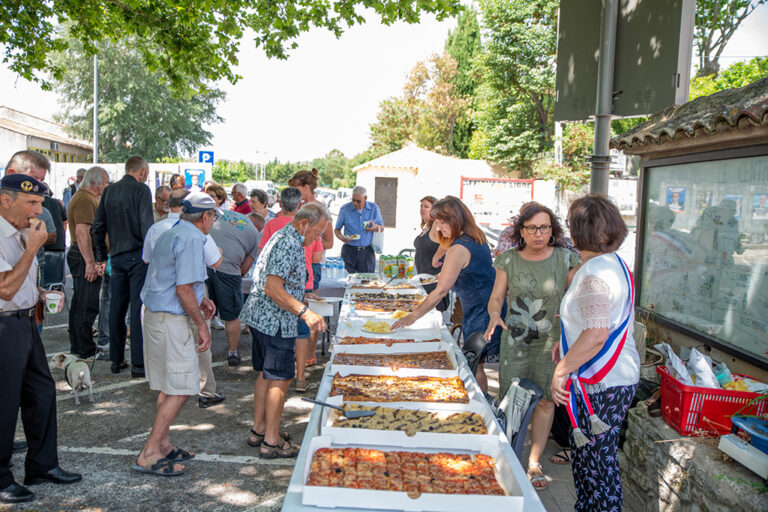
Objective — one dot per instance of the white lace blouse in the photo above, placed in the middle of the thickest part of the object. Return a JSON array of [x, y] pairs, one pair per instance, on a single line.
[[596, 299]]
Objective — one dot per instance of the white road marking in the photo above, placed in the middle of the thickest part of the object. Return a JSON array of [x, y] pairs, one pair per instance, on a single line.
[[205, 457], [59, 326]]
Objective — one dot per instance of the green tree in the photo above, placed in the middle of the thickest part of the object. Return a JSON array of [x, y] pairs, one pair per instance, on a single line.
[[394, 126], [516, 100], [331, 167], [427, 112], [137, 113], [574, 172], [463, 44], [736, 75], [280, 172], [188, 43], [436, 106], [230, 172], [716, 22]]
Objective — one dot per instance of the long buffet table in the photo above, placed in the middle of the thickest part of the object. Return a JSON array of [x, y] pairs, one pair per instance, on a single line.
[[521, 496]]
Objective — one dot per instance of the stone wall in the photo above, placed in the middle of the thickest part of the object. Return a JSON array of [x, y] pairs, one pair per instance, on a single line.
[[664, 471]]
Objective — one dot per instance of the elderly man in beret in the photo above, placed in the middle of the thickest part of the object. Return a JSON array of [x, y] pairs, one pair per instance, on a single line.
[[24, 375]]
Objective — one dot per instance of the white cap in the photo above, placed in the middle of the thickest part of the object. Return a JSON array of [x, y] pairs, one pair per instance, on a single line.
[[198, 202]]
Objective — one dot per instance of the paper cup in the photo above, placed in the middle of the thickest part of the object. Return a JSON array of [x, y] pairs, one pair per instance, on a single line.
[[52, 301]]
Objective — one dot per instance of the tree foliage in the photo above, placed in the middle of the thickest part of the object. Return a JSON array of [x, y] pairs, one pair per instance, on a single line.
[[516, 98], [463, 44], [426, 113], [227, 171], [716, 22], [574, 172], [736, 75], [137, 113], [393, 127], [188, 43]]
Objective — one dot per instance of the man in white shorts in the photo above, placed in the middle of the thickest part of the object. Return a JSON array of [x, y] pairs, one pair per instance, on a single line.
[[175, 303]]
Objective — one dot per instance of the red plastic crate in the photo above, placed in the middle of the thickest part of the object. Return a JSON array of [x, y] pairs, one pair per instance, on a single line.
[[698, 411]]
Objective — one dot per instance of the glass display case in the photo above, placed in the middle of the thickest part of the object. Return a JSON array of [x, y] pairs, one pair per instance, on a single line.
[[703, 252]]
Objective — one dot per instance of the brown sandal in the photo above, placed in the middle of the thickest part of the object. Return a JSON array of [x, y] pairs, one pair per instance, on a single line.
[[285, 436], [285, 450]]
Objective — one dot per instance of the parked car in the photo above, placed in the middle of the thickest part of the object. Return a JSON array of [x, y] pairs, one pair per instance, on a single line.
[[266, 186], [325, 196]]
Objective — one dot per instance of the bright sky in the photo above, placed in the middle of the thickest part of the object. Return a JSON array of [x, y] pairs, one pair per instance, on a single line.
[[328, 91]]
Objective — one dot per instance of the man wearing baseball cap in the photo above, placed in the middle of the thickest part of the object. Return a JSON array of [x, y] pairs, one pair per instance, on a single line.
[[174, 302], [24, 375]]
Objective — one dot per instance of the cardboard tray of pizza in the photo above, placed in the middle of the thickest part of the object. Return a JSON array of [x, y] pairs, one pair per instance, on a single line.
[[408, 438], [400, 348], [473, 391], [333, 497], [388, 342], [351, 324], [382, 283], [385, 294]]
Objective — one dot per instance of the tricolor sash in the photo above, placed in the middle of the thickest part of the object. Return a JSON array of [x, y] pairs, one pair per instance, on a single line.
[[594, 370]]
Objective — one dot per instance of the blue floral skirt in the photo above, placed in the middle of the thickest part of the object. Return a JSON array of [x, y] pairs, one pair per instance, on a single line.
[[596, 465]]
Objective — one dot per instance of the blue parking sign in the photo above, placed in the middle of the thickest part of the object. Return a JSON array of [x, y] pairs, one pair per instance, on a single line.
[[205, 157]]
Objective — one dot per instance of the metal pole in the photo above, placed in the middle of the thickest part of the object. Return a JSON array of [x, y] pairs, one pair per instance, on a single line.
[[601, 159], [95, 109]]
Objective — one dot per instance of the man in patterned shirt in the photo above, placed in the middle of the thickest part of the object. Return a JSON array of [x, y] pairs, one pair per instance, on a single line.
[[271, 313]]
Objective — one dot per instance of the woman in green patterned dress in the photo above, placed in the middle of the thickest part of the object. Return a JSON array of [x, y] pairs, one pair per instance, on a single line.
[[535, 272]]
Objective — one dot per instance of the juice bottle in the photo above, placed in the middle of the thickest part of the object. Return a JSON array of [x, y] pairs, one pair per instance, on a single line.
[[387, 265]]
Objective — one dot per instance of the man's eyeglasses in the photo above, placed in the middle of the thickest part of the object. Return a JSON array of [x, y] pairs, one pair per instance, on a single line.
[[544, 230], [357, 201]]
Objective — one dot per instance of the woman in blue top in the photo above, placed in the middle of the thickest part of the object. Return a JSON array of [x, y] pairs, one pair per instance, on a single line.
[[467, 270]]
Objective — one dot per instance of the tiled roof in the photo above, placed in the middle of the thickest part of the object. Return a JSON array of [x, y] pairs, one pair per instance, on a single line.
[[704, 115]]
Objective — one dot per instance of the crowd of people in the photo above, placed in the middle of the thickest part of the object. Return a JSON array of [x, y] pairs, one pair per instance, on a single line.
[[155, 272], [557, 313]]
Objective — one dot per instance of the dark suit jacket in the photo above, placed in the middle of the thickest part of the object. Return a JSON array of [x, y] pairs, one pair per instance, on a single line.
[[125, 214]]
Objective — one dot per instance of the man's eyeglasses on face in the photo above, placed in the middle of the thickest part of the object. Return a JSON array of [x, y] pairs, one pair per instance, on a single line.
[[533, 229], [357, 201]]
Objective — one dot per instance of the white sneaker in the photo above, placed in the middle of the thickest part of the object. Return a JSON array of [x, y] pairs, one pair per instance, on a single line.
[[217, 324]]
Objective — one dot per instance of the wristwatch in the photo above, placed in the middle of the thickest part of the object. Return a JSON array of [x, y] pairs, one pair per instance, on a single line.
[[304, 310]]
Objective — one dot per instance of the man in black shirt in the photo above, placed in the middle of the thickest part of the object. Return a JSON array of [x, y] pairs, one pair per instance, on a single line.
[[125, 214], [59, 216]]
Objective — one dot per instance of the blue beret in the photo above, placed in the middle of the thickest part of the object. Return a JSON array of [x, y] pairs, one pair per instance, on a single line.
[[25, 184]]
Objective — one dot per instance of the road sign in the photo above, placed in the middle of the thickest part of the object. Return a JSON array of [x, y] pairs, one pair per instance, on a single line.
[[205, 157], [654, 45]]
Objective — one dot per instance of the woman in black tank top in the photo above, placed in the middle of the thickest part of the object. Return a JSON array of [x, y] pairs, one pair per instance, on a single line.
[[429, 254]]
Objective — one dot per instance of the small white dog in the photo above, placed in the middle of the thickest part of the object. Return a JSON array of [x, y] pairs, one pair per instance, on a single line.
[[76, 372]]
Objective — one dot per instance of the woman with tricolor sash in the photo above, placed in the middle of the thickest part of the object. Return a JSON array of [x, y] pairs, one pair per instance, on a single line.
[[598, 368]]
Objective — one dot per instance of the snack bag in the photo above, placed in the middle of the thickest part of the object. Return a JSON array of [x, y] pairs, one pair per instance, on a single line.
[[701, 373], [674, 364]]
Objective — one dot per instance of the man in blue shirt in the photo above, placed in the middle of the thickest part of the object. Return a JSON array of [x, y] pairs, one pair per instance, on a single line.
[[174, 302], [358, 220]]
